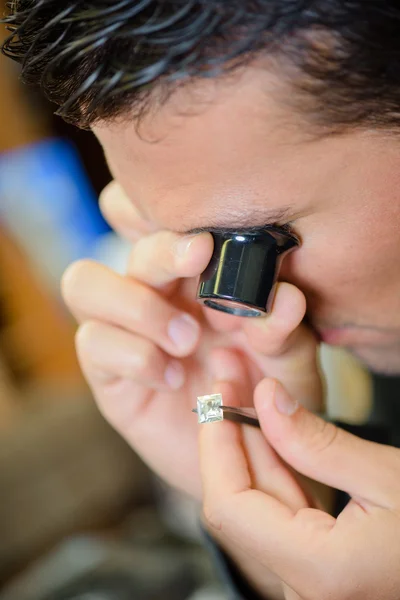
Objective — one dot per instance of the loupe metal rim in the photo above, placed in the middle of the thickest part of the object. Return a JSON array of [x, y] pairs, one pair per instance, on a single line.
[[227, 305]]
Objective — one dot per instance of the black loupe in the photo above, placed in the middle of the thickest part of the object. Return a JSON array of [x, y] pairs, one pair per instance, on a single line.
[[241, 276]]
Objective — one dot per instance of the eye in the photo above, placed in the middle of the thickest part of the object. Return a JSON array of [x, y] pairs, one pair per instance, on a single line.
[[286, 227]]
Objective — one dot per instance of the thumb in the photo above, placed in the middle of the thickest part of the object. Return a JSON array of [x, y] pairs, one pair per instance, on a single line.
[[325, 453]]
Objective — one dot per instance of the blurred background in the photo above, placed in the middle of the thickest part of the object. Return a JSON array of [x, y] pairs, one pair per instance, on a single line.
[[80, 515]]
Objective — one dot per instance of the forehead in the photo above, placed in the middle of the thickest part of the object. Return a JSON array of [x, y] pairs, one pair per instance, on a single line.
[[203, 153], [223, 154]]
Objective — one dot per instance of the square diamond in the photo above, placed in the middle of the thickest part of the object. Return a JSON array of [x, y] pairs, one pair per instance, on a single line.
[[209, 408]]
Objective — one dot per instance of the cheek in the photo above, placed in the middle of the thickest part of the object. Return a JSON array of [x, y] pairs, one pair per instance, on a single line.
[[341, 267]]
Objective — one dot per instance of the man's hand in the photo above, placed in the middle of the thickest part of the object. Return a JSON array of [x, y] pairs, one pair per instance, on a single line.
[[316, 556], [147, 348]]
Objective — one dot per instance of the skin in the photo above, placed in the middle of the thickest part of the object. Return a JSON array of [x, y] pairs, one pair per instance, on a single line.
[[231, 154], [316, 556], [227, 155]]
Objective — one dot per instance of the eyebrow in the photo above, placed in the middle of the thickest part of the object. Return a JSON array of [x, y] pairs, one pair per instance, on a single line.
[[246, 222]]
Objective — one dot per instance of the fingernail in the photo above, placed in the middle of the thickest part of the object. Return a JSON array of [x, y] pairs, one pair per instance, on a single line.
[[182, 246], [284, 402], [175, 375], [183, 331]]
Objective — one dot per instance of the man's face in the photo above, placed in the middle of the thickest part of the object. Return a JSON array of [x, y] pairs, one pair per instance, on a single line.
[[229, 154]]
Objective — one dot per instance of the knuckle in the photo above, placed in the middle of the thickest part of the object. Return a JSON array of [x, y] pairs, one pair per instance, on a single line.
[[120, 213], [72, 279], [286, 342], [152, 255], [322, 437], [142, 248], [271, 339], [139, 261], [218, 511], [213, 516], [106, 197], [143, 360], [279, 343], [86, 338]]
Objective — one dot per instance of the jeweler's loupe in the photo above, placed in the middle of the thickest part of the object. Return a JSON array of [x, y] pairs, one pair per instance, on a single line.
[[242, 274]]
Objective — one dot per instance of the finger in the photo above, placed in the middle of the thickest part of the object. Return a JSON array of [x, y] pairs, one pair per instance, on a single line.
[[269, 334], [229, 366], [321, 451], [287, 350], [125, 395], [222, 442], [99, 294], [232, 384], [147, 419], [272, 335], [164, 257], [107, 354], [121, 213], [251, 520], [267, 472], [232, 379]]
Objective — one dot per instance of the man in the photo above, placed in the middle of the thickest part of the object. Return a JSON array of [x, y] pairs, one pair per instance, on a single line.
[[218, 114]]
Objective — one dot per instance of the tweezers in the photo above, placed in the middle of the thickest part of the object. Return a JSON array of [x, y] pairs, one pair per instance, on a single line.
[[246, 416]]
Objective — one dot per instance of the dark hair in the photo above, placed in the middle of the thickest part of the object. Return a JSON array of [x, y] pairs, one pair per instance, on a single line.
[[98, 59]]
